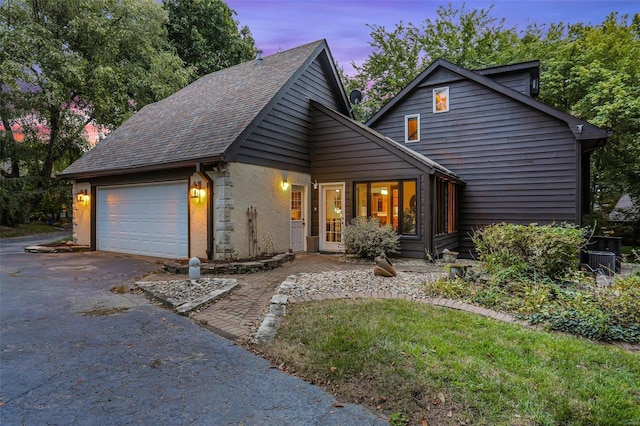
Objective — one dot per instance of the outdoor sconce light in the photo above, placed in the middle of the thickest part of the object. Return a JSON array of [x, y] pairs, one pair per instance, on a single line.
[[285, 185], [83, 196], [315, 184], [196, 190]]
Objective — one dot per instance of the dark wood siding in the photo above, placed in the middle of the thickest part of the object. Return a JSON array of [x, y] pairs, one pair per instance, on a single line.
[[282, 138], [520, 82], [520, 165], [341, 154]]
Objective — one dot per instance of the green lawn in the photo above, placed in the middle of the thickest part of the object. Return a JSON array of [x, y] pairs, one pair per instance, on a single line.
[[25, 229], [413, 361]]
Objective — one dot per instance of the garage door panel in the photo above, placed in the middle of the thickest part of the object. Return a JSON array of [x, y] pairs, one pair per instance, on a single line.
[[144, 219]]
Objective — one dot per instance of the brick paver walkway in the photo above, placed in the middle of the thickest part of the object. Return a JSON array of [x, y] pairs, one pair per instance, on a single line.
[[238, 314]]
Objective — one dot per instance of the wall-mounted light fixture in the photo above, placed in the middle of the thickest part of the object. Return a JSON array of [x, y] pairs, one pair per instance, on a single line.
[[285, 184], [196, 191], [83, 196], [315, 184]]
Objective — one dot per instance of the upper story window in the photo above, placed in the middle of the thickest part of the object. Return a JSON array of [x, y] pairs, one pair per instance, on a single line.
[[441, 99], [412, 128]]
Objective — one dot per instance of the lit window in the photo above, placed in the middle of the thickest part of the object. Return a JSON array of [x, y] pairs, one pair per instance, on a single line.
[[441, 99], [390, 203], [412, 128]]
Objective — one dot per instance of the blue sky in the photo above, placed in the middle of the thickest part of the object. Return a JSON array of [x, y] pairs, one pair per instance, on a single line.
[[283, 24]]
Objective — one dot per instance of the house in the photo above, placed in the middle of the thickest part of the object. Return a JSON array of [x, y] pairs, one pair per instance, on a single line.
[[266, 157], [625, 211], [522, 160]]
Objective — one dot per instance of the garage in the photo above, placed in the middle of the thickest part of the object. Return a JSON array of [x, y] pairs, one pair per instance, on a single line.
[[149, 219]]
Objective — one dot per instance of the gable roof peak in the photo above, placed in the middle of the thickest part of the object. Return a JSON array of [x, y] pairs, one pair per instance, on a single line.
[[588, 130], [202, 120]]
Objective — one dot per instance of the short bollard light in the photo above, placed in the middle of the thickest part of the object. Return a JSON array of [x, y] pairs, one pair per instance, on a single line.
[[194, 269]]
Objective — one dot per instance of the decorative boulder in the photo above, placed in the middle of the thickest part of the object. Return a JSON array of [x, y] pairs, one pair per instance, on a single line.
[[384, 267]]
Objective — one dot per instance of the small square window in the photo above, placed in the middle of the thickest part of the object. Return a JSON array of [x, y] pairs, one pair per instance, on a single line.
[[412, 128], [441, 99]]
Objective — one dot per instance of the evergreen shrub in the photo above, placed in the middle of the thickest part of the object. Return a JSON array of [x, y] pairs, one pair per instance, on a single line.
[[367, 238], [530, 251]]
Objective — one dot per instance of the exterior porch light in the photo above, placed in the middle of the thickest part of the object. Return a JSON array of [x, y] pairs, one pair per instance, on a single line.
[[285, 184], [196, 190], [83, 196]]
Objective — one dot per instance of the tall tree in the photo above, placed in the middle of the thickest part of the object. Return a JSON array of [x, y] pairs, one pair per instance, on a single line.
[[205, 35], [470, 38], [67, 64]]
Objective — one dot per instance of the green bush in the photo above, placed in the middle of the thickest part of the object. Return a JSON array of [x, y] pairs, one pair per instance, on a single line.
[[579, 306], [530, 252], [366, 238]]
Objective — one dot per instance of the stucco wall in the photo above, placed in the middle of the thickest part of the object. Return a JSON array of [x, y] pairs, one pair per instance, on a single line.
[[82, 215], [247, 186], [198, 219]]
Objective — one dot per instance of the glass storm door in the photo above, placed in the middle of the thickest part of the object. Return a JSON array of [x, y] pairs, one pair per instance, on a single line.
[[332, 217], [297, 218]]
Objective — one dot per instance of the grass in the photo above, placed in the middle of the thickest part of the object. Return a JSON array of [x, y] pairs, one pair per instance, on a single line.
[[25, 229], [421, 362]]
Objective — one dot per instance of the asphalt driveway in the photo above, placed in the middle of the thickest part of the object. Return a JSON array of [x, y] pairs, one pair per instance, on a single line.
[[72, 352]]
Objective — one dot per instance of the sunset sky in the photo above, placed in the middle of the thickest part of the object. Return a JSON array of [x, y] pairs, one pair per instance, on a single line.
[[283, 24]]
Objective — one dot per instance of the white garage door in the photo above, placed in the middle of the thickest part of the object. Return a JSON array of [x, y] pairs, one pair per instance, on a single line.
[[143, 219]]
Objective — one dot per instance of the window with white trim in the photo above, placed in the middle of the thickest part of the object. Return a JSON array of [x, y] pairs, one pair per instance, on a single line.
[[441, 99], [412, 128]]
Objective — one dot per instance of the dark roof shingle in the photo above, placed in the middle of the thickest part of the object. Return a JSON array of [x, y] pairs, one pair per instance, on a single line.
[[199, 121]]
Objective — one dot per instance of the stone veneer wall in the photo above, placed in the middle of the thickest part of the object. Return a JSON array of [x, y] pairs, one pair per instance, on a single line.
[[241, 187]]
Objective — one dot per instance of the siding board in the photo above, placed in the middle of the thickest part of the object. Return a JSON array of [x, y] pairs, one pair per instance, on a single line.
[[340, 154], [282, 138], [519, 163]]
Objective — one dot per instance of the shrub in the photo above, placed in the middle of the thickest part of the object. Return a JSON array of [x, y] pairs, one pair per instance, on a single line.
[[611, 313], [532, 251], [366, 238]]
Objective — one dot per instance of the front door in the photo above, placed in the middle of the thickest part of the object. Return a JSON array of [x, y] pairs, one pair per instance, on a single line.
[[331, 217], [297, 218]]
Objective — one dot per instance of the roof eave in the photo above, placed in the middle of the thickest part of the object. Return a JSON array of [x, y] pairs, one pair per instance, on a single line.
[[89, 174]]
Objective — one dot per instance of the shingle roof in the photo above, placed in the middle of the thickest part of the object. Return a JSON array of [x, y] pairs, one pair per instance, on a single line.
[[625, 210], [199, 121]]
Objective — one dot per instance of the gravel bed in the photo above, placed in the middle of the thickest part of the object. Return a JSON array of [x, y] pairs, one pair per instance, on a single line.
[[185, 290], [409, 283]]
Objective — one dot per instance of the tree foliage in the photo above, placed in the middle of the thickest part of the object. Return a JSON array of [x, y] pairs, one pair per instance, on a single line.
[[470, 38], [206, 36], [593, 73], [65, 65]]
